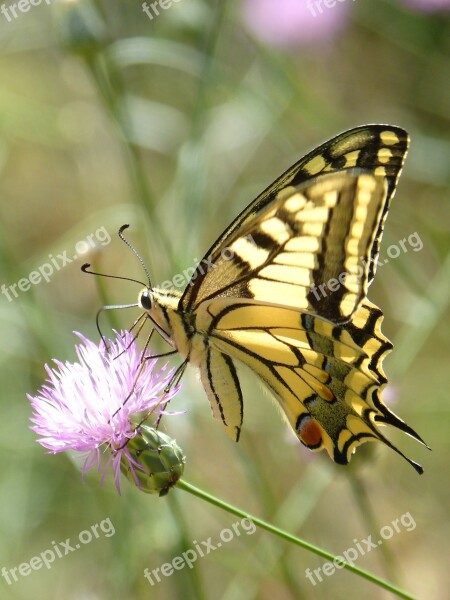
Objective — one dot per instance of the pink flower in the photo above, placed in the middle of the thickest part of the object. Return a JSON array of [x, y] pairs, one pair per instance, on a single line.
[[89, 405], [294, 22]]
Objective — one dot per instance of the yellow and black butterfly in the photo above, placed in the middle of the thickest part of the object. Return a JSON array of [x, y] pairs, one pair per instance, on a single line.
[[283, 291]]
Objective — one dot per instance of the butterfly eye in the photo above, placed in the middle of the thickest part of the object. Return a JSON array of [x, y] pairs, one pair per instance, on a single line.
[[145, 300]]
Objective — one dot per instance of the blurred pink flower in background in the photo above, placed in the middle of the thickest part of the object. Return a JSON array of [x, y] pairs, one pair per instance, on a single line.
[[287, 23], [391, 394], [428, 5]]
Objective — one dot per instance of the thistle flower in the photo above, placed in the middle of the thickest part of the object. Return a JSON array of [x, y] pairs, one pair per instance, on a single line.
[[94, 404]]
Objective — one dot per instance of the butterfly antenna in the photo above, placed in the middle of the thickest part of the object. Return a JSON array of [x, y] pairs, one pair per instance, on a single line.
[[144, 266], [86, 266]]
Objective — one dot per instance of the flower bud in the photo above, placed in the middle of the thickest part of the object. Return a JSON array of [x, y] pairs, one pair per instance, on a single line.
[[80, 27], [160, 457]]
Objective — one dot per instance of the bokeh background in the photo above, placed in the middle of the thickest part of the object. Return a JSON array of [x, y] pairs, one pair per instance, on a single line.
[[173, 124]]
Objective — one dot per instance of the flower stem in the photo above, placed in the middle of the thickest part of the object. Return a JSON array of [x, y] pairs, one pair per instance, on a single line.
[[187, 487], [196, 582], [363, 503]]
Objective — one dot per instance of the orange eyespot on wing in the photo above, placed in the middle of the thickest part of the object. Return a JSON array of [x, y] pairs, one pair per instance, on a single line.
[[309, 432]]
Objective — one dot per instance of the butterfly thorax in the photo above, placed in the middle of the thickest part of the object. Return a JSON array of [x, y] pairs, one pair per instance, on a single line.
[[177, 327]]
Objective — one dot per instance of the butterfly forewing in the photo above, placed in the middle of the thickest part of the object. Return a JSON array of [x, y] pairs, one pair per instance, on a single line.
[[376, 149], [319, 233]]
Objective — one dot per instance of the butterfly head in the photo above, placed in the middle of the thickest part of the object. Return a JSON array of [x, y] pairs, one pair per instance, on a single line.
[[160, 306], [145, 299], [153, 300]]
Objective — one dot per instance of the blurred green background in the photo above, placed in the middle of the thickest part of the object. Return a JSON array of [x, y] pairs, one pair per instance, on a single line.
[[173, 124]]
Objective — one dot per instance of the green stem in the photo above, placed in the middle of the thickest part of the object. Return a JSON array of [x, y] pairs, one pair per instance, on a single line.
[[187, 487], [362, 501], [196, 582], [265, 492]]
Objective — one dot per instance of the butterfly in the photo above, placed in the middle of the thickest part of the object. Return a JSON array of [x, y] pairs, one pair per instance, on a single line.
[[283, 291]]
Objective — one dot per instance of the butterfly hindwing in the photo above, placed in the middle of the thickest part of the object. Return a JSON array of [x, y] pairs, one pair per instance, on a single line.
[[326, 378], [219, 378]]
